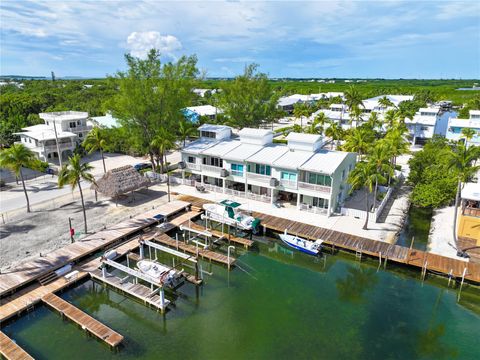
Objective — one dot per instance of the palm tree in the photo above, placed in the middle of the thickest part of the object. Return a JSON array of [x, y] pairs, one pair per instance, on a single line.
[[352, 98], [72, 174], [96, 141], [461, 159], [335, 132], [185, 130], [379, 157], [385, 103], [363, 176], [301, 110], [15, 158], [164, 141], [321, 119], [373, 121], [358, 140], [397, 143], [390, 118], [356, 115], [468, 134]]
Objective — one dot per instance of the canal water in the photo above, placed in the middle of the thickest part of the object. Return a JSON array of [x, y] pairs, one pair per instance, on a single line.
[[416, 227], [277, 304]]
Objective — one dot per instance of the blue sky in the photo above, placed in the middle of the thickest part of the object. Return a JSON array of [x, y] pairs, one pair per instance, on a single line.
[[391, 39]]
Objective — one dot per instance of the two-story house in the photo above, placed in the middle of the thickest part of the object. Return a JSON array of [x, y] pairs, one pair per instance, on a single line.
[[455, 127], [426, 123], [299, 174]]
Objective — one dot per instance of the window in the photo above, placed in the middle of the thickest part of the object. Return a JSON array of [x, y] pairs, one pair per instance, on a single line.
[[79, 122], [319, 179], [191, 160], [260, 169], [424, 128], [72, 124], [213, 161], [237, 169], [80, 135], [207, 134], [30, 140], [285, 175]]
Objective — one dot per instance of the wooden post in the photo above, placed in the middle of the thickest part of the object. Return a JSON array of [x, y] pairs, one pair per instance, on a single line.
[[461, 284]]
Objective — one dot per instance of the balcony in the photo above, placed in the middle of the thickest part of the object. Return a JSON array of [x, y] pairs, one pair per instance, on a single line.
[[314, 187], [259, 177], [212, 169], [470, 211], [63, 146], [292, 184], [193, 166], [313, 209]]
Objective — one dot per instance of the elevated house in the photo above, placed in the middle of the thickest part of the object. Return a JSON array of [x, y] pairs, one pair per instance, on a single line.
[[69, 128], [426, 123], [469, 217], [455, 127], [193, 113], [300, 174]]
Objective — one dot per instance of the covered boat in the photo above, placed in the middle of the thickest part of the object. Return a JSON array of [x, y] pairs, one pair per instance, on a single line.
[[160, 273], [228, 212], [306, 246]]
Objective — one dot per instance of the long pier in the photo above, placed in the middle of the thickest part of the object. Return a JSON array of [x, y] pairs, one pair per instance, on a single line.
[[85, 321], [10, 350]]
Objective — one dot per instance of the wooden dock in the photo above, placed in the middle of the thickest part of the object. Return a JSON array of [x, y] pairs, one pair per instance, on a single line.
[[138, 291], [41, 266], [228, 237], [85, 321], [10, 350], [191, 249], [361, 245]]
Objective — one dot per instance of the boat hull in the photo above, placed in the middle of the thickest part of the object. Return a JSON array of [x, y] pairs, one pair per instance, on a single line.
[[287, 239]]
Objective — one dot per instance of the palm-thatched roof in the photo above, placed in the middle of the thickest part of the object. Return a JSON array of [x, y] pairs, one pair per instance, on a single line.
[[120, 181]]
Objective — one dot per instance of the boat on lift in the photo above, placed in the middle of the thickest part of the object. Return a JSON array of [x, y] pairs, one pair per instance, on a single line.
[[159, 272], [228, 212], [301, 244]]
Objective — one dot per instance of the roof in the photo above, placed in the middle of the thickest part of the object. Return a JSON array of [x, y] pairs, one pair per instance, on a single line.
[[120, 181], [287, 100], [221, 148], [467, 123], [304, 138], [204, 110], [257, 133], [471, 191], [214, 128], [107, 121], [474, 112], [64, 115], [243, 152], [44, 132], [324, 161], [293, 159], [199, 145], [429, 110], [268, 154]]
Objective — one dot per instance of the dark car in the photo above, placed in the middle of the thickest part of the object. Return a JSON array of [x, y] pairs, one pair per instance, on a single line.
[[142, 166]]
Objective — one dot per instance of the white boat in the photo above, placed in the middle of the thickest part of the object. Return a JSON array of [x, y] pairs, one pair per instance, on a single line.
[[227, 212], [301, 244], [160, 273]]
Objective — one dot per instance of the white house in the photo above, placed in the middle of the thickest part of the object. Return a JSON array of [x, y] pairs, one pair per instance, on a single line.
[[300, 174], [426, 123], [69, 127], [455, 127], [287, 103], [193, 113]]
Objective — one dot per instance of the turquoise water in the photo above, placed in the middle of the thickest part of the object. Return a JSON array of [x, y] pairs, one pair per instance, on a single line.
[[277, 304]]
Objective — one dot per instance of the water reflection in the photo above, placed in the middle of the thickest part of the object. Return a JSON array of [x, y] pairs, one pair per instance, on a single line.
[[358, 281]]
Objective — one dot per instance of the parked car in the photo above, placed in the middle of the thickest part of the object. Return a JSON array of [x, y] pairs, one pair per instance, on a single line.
[[142, 166]]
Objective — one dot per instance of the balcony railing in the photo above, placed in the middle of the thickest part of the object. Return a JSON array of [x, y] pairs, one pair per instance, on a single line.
[[212, 169], [292, 184], [313, 209], [193, 166], [236, 173], [314, 187], [54, 147], [259, 177], [469, 211]]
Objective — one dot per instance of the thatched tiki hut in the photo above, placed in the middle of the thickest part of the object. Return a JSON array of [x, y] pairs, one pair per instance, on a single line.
[[120, 181]]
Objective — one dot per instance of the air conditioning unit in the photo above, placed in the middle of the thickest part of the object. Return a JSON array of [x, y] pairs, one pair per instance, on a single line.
[[274, 182], [224, 173], [182, 165]]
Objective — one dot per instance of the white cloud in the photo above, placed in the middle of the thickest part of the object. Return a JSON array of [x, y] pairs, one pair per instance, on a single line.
[[140, 43]]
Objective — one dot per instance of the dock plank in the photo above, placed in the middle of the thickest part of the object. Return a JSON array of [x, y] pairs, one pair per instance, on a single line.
[[11, 350]]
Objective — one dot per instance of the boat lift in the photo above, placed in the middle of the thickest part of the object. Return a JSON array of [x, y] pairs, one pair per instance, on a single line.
[[208, 235]]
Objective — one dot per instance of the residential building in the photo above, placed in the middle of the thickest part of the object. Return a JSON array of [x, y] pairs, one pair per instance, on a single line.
[[426, 123], [455, 127], [193, 113], [68, 127], [287, 103], [106, 122], [469, 217], [300, 174], [204, 92]]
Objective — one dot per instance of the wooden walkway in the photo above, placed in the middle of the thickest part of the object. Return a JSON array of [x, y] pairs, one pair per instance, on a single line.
[[191, 249], [10, 350], [138, 291], [436, 263], [235, 239], [32, 270], [85, 321]]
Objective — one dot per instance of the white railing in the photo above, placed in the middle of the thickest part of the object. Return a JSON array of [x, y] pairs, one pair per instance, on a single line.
[[211, 187], [313, 209], [288, 183], [362, 214], [257, 197], [212, 169], [234, 192], [62, 147], [193, 166], [236, 173], [314, 187], [258, 177]]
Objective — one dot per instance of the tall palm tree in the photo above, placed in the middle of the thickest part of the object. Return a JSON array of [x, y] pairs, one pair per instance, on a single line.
[[72, 174], [356, 114], [335, 132], [300, 111], [321, 119], [359, 140], [363, 176], [96, 141], [379, 157], [16, 157], [185, 130], [468, 134], [352, 98], [462, 160], [397, 143], [390, 119], [385, 103], [164, 141], [373, 121]]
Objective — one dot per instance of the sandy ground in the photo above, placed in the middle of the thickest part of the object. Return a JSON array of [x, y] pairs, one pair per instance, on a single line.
[[440, 239], [46, 229]]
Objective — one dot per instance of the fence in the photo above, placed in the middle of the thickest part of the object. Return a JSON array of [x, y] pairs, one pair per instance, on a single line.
[[362, 214]]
